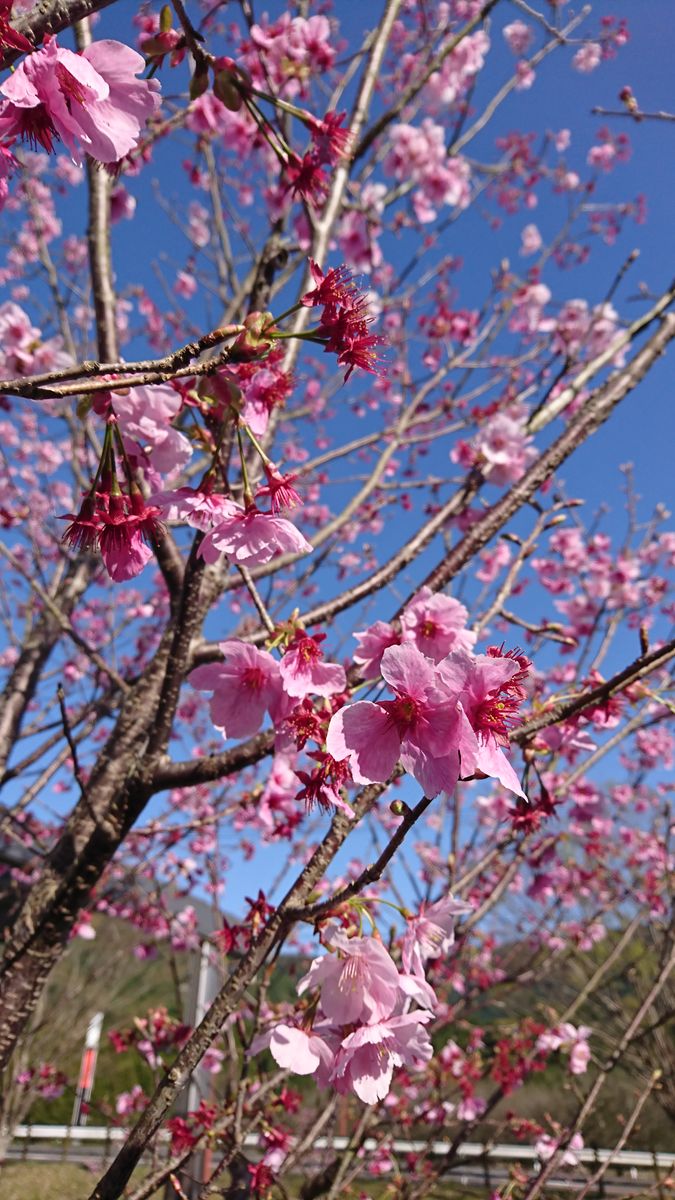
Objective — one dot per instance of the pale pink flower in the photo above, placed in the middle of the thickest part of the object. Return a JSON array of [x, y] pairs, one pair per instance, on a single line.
[[83, 927], [92, 100], [457, 71], [145, 414], [196, 508], [8, 165], [259, 396], [299, 1050], [185, 284], [213, 1058], [18, 340], [530, 241], [303, 671], [505, 448], [470, 1107], [436, 624], [122, 204], [424, 726], [525, 76], [580, 1055], [359, 983], [253, 537], [432, 932], [245, 685], [546, 1147], [518, 37], [373, 642], [527, 315], [365, 1062], [587, 58], [571, 1039], [133, 1101]]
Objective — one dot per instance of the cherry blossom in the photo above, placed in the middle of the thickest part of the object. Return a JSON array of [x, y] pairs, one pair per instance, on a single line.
[[373, 641], [436, 624], [245, 686], [367, 1057], [92, 100], [360, 982], [145, 414], [303, 671], [489, 690], [431, 933], [250, 536], [518, 37], [421, 726], [504, 448], [587, 58]]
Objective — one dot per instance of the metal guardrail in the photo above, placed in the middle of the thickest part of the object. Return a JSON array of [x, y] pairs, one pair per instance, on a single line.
[[107, 1135]]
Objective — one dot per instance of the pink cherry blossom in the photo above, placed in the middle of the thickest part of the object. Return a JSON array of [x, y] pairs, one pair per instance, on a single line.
[[358, 983], [245, 685], [518, 37], [123, 537], [531, 241], [432, 932], [130, 1102], [197, 508], [145, 414], [250, 536], [546, 1147], [366, 1059], [588, 58], [303, 671], [489, 690], [423, 726], [373, 642], [92, 100], [570, 1039], [8, 165], [504, 448], [436, 624], [419, 153], [299, 1051]]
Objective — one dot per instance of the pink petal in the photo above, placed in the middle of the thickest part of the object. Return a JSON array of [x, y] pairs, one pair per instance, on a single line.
[[406, 670], [295, 1050], [363, 733]]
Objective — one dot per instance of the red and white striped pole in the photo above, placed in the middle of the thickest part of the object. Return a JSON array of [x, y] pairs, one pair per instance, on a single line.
[[85, 1081]]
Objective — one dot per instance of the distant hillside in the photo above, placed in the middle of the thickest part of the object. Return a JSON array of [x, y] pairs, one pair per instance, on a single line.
[[105, 974]]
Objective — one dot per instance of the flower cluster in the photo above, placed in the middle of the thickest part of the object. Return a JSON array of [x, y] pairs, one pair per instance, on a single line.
[[120, 526], [420, 155], [570, 1039], [345, 320], [361, 1026], [502, 449], [250, 682], [448, 719]]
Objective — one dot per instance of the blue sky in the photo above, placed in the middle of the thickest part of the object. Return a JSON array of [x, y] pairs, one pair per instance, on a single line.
[[642, 430]]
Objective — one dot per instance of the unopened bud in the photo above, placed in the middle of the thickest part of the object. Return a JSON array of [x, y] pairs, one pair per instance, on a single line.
[[257, 337], [227, 91], [399, 808], [199, 83]]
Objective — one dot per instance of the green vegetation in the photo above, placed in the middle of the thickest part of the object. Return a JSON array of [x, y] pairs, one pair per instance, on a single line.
[[44, 1181]]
